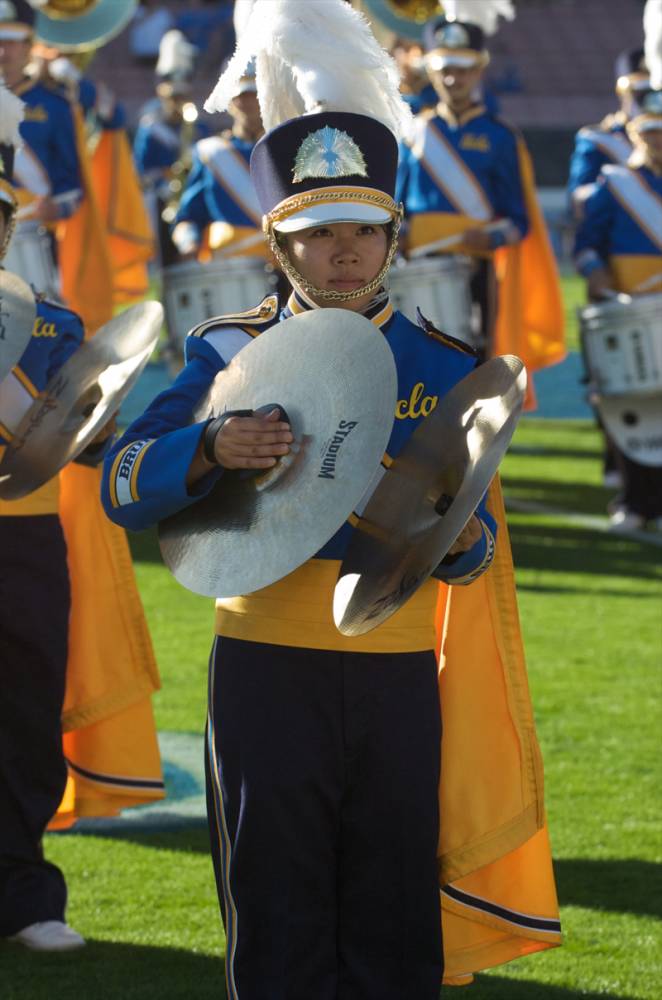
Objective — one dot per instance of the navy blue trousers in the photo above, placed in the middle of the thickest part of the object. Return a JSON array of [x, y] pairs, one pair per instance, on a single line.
[[322, 782], [34, 622]]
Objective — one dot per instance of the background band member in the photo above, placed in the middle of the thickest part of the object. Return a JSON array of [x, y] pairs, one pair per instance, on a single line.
[[618, 248], [219, 209], [167, 131], [608, 141]]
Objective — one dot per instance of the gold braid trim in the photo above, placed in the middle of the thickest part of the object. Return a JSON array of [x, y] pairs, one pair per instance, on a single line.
[[11, 222], [331, 295], [290, 206]]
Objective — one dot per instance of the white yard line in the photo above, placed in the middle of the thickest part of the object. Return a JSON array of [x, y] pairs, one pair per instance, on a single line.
[[594, 521]]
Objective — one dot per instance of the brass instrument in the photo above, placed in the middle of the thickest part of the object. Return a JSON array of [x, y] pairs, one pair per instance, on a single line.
[[179, 171], [80, 25], [404, 17]]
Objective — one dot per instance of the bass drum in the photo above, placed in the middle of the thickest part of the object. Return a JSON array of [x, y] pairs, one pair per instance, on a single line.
[[440, 288], [30, 256], [193, 292], [622, 345]]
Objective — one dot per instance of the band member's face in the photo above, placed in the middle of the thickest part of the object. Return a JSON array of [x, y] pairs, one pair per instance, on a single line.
[[340, 257], [245, 109], [455, 84], [14, 57]]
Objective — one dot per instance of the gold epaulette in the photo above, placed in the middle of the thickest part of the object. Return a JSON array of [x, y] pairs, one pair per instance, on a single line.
[[259, 315], [615, 119], [444, 338]]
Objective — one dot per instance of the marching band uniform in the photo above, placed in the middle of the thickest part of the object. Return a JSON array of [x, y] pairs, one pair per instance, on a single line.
[[313, 737], [620, 231], [473, 172], [33, 772], [56, 674], [166, 132], [608, 141]]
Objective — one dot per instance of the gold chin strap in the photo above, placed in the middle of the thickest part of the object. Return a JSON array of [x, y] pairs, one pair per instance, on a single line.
[[330, 295], [9, 231]]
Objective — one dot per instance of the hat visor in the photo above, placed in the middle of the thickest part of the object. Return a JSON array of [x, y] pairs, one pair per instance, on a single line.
[[647, 123], [635, 424], [15, 32], [441, 60], [337, 211]]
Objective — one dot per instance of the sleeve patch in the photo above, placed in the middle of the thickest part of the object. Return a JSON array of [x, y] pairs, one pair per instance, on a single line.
[[124, 473]]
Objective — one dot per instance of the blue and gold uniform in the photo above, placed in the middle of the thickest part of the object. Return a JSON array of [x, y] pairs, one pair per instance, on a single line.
[[457, 174], [219, 205], [158, 144], [596, 146], [33, 772], [331, 743], [621, 229], [47, 164]]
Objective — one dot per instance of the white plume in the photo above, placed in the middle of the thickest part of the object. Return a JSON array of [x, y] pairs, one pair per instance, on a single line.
[[242, 13], [176, 55], [314, 55], [484, 13], [11, 116], [653, 41]]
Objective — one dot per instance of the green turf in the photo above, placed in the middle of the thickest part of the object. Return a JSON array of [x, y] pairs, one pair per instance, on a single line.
[[590, 606], [574, 295]]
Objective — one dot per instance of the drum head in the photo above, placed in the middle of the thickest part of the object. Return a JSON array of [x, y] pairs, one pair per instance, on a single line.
[[635, 425], [335, 377]]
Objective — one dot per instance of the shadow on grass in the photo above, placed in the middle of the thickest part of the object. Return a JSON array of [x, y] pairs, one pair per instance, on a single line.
[[568, 549], [109, 971], [190, 835], [621, 885], [500, 988], [145, 546], [550, 451], [576, 498]]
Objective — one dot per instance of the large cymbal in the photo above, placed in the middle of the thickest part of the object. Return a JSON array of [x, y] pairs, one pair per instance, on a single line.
[[428, 494], [17, 315], [334, 375], [79, 399]]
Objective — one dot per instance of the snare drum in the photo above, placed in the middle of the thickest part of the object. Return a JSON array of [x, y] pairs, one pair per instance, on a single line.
[[194, 292], [30, 255], [622, 345], [439, 287]]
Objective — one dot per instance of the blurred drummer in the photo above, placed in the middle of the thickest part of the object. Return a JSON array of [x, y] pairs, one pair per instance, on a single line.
[[219, 211], [608, 141], [415, 86], [618, 248], [466, 183], [163, 146], [47, 171]]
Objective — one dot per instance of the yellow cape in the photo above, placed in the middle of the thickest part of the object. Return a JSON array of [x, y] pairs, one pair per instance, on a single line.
[[498, 894]]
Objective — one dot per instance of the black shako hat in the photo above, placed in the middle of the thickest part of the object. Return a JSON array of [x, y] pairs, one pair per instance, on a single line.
[[453, 43], [16, 19], [333, 166]]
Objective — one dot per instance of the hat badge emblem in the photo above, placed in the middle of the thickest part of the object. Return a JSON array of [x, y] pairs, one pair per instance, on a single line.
[[329, 152], [7, 10], [453, 36]]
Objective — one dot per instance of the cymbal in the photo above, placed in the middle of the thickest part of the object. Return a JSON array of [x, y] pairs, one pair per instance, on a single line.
[[425, 498], [79, 399], [334, 375], [18, 312]]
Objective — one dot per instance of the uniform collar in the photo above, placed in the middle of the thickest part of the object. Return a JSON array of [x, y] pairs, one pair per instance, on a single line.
[[379, 311], [475, 111]]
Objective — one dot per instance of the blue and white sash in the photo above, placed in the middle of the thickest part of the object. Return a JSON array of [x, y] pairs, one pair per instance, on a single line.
[[641, 203], [449, 172]]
